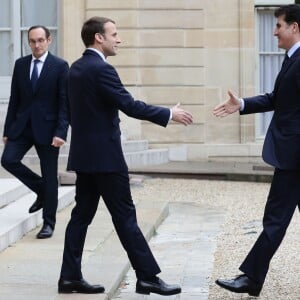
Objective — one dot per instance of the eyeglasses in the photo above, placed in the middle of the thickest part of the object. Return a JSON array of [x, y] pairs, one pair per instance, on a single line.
[[38, 41]]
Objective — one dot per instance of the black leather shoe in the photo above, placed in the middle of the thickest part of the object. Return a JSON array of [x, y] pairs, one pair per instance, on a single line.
[[37, 205], [158, 287], [78, 286], [241, 284], [46, 232]]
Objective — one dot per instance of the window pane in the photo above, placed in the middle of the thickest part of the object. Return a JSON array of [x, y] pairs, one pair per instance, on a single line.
[[267, 42], [4, 13], [41, 12], [270, 56], [270, 59], [269, 66], [5, 50]]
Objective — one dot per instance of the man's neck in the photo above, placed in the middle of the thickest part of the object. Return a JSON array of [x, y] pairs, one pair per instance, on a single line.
[[97, 51], [292, 50]]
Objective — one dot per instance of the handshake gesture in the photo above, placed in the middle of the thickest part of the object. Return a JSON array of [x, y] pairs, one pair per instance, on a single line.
[[181, 116], [228, 107]]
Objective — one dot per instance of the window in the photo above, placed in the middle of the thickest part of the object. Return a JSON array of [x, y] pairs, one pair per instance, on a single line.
[[16, 16], [269, 62], [5, 38], [42, 12]]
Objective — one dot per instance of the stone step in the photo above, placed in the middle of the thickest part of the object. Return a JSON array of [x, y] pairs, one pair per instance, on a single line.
[[136, 154], [217, 170], [135, 145], [127, 146], [148, 157], [11, 190], [133, 159], [15, 221], [32, 266]]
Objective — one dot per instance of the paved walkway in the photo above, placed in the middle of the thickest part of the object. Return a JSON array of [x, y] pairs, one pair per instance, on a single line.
[[184, 246]]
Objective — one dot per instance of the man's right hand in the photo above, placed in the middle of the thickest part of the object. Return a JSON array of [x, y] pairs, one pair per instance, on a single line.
[[228, 107], [4, 139], [181, 116]]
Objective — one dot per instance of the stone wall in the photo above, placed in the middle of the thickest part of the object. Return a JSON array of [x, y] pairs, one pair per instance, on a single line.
[[187, 51]]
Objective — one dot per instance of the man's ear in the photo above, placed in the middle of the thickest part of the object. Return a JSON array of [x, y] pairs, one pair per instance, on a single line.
[[296, 27], [99, 37]]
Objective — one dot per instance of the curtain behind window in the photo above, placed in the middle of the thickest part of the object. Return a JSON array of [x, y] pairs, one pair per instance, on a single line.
[[38, 12], [5, 38], [43, 12], [270, 59]]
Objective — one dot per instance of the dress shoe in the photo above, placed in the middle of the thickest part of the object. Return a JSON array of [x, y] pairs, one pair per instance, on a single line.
[[158, 287], [241, 284], [45, 232], [37, 205], [78, 286]]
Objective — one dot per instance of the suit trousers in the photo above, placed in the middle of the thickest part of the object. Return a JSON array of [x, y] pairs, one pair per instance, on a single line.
[[46, 185], [284, 196], [115, 191]]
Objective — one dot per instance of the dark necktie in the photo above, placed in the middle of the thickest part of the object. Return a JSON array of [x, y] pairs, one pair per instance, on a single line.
[[286, 59], [34, 74]]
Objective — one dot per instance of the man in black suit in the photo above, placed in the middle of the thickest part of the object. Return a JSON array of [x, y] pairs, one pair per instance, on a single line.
[[96, 95], [281, 150], [37, 116]]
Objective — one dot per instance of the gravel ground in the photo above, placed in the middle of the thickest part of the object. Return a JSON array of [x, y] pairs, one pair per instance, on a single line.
[[243, 203]]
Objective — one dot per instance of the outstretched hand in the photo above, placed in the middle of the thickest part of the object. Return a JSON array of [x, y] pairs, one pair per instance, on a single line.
[[181, 116], [228, 107]]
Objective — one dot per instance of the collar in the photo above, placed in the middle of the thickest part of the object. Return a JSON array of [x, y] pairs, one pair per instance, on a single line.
[[42, 58], [293, 49], [98, 52]]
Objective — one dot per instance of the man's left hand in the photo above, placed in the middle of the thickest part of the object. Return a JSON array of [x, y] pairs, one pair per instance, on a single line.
[[57, 142]]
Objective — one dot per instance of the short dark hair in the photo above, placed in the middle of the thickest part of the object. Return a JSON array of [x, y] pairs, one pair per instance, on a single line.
[[47, 31], [91, 27], [290, 12]]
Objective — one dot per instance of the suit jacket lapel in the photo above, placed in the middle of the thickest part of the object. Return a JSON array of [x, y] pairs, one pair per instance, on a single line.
[[285, 68], [26, 75]]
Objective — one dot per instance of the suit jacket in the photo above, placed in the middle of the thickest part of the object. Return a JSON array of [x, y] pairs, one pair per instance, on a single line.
[[46, 107], [282, 142], [96, 95]]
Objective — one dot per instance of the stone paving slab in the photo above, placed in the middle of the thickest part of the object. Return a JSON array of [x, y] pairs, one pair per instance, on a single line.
[[184, 247]]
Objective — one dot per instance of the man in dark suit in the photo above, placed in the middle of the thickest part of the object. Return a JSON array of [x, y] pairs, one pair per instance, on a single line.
[[96, 95], [37, 116], [281, 150]]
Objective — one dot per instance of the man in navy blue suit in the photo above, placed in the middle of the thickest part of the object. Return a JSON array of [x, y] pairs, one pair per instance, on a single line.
[[37, 116], [96, 95], [281, 150]]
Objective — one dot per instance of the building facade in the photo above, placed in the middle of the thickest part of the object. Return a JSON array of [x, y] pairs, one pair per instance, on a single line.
[[187, 51]]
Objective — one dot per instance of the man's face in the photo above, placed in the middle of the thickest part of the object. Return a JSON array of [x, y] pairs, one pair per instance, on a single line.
[[285, 33], [38, 42], [110, 40]]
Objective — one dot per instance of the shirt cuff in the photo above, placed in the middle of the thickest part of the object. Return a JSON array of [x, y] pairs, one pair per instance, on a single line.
[[242, 104]]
